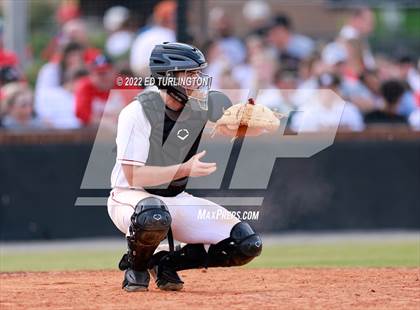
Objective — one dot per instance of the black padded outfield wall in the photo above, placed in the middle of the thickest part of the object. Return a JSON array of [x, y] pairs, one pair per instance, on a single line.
[[351, 185]]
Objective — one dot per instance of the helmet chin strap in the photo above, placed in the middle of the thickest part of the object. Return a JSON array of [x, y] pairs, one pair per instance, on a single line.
[[177, 95], [192, 105]]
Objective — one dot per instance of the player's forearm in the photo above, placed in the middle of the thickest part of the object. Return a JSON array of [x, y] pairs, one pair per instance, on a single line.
[[154, 175]]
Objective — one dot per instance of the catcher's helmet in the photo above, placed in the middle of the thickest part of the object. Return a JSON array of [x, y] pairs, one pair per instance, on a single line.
[[168, 58]]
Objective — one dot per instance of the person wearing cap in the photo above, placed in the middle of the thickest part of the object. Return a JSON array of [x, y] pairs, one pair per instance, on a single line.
[[92, 91]]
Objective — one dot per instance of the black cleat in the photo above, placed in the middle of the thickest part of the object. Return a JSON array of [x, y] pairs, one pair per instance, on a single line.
[[135, 281], [165, 277]]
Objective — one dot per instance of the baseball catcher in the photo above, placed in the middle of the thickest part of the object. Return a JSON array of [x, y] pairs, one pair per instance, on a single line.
[[157, 140]]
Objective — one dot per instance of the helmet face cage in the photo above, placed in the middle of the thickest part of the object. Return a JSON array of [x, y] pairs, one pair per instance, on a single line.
[[195, 84]]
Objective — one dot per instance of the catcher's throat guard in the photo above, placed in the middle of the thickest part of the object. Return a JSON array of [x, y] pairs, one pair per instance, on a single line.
[[190, 87]]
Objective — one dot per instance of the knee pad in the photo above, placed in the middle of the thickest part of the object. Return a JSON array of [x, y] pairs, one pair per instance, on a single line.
[[240, 248], [150, 224], [151, 218], [248, 242]]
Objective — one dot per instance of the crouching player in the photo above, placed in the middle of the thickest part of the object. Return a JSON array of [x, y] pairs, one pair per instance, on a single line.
[[157, 141]]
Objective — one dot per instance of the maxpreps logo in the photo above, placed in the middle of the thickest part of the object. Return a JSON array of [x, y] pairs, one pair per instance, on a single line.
[[253, 159], [207, 214]]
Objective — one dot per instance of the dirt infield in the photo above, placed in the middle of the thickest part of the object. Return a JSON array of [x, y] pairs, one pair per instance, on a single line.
[[220, 288]]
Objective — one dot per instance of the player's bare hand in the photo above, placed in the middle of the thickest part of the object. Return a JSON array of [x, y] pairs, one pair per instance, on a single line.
[[196, 168]]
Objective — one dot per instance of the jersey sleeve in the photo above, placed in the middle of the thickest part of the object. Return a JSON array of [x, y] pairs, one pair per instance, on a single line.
[[133, 136]]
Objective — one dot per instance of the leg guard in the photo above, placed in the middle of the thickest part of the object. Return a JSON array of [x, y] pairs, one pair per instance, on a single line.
[[190, 256], [150, 224], [240, 248]]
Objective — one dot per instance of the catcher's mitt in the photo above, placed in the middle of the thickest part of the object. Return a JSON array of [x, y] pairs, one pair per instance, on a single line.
[[248, 119]]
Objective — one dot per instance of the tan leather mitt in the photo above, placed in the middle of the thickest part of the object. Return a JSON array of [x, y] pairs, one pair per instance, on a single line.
[[248, 119]]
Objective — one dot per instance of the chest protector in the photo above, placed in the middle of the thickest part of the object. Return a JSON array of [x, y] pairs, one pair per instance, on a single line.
[[174, 138]]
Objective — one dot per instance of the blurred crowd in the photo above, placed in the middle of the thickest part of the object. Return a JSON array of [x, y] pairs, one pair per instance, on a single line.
[[282, 69]]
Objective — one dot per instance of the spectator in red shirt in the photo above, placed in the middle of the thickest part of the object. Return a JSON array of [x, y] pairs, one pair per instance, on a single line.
[[92, 92], [9, 64], [7, 58]]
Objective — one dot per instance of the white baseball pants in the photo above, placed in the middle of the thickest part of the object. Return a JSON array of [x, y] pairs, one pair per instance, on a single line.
[[188, 223]]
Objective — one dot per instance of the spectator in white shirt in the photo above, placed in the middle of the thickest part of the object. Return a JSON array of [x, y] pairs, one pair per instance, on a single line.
[[57, 106], [162, 30], [52, 73], [326, 110]]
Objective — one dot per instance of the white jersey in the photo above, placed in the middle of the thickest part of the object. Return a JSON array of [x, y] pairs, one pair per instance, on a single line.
[[132, 142]]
